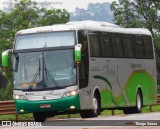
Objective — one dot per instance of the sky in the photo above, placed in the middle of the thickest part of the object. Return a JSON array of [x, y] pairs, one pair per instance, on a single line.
[[67, 4]]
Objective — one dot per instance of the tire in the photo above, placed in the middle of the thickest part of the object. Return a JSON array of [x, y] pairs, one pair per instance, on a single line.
[[85, 113], [93, 112], [39, 116], [137, 108], [128, 110], [139, 103]]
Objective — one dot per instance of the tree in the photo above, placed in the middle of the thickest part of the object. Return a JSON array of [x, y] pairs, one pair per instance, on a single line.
[[97, 12], [137, 13], [50, 17]]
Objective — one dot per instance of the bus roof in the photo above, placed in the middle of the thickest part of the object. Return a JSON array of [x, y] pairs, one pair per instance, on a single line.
[[87, 25]]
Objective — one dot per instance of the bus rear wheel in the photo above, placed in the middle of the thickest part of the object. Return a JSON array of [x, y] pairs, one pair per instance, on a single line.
[[39, 116], [137, 108], [129, 110], [139, 103], [93, 112]]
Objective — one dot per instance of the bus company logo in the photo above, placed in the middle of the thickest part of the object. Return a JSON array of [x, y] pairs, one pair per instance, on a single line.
[[136, 65], [109, 71], [49, 93], [54, 94]]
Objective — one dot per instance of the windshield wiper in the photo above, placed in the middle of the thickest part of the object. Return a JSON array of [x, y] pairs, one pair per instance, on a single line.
[[49, 74], [38, 72]]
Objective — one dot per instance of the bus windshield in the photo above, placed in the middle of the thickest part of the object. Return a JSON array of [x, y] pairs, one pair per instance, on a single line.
[[45, 70], [42, 40]]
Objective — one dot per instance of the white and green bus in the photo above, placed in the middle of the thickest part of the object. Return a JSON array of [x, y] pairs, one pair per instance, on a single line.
[[82, 67]]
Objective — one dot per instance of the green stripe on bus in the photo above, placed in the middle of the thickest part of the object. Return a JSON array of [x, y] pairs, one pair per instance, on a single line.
[[137, 79], [104, 79]]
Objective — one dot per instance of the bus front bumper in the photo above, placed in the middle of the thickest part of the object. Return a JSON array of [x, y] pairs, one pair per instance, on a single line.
[[63, 104]]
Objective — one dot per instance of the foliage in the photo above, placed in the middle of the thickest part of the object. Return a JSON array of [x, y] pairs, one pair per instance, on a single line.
[[50, 17], [137, 13], [24, 14], [97, 12]]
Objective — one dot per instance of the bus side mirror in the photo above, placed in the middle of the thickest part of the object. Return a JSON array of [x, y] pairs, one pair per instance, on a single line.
[[77, 53], [5, 61]]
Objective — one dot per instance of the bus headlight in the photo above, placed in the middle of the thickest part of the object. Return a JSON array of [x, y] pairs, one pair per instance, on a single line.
[[70, 93], [20, 97]]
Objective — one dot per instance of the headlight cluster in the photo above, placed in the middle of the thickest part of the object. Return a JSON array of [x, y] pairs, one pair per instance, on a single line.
[[70, 93], [20, 97]]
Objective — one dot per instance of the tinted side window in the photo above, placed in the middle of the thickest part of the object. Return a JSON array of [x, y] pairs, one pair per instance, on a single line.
[[107, 46], [94, 41], [129, 46], [148, 47], [139, 47], [118, 45]]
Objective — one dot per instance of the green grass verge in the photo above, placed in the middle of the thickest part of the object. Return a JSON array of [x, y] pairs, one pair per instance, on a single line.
[[155, 108], [29, 116]]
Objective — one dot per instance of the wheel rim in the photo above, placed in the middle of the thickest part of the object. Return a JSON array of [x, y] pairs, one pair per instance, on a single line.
[[95, 104], [139, 104]]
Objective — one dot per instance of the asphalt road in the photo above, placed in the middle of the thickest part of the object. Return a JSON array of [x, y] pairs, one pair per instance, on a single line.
[[134, 121]]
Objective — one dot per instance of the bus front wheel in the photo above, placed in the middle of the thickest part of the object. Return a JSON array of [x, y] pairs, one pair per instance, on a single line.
[[39, 116], [93, 112]]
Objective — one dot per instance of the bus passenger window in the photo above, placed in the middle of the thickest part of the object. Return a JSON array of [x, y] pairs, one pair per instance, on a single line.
[[107, 48], [129, 47], [139, 48], [148, 47], [119, 46], [94, 42]]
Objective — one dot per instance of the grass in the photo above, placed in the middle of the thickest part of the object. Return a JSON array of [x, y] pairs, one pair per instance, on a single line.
[[29, 116], [155, 108]]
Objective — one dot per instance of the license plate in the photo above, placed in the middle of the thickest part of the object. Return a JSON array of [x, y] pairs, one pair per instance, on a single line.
[[45, 106]]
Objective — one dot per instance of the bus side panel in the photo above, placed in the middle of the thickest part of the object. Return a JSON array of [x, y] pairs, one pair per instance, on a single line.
[[104, 74], [120, 79]]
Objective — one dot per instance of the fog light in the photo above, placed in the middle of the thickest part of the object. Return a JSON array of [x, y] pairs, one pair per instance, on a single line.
[[21, 110], [72, 107]]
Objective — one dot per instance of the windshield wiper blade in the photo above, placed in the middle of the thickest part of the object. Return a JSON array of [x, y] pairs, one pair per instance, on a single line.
[[51, 77], [38, 72], [34, 78]]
